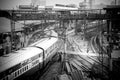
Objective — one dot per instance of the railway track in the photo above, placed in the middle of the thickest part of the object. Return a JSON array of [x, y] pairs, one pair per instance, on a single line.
[[51, 72]]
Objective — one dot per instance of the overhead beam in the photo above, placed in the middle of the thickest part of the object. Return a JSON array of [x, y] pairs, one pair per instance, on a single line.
[[20, 15]]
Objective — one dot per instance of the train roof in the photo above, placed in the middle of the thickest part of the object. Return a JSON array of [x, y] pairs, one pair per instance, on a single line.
[[16, 57], [46, 42]]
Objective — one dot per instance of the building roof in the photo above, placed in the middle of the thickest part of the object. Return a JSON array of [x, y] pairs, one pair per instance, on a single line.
[[112, 7]]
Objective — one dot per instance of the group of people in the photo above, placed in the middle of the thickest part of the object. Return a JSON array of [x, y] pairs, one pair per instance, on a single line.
[[19, 41], [7, 44]]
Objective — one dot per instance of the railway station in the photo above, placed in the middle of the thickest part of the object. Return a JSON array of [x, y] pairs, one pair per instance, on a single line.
[[60, 42]]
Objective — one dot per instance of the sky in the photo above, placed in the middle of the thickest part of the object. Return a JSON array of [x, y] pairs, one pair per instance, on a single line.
[[11, 4]]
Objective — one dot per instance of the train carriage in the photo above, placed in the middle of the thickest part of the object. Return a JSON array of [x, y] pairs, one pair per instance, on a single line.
[[19, 62]]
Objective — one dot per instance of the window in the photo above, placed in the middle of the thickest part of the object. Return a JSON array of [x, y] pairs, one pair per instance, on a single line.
[[27, 67], [21, 71], [13, 75], [16, 74]]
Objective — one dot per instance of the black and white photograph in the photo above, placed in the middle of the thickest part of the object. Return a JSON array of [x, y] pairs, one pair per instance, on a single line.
[[59, 40]]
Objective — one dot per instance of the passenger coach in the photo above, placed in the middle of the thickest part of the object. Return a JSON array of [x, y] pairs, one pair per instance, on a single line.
[[23, 61]]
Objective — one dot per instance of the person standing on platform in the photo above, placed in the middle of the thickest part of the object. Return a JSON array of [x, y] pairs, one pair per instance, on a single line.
[[22, 40], [17, 42], [8, 44]]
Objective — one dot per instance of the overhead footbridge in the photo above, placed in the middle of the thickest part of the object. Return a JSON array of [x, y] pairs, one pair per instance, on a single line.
[[93, 14]]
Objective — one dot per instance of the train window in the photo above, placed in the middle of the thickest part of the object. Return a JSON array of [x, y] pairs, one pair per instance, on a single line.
[[15, 74], [11, 76], [27, 67], [18, 72], [21, 71], [24, 68]]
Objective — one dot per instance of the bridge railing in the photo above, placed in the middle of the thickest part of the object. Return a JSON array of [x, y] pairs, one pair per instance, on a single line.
[[96, 14]]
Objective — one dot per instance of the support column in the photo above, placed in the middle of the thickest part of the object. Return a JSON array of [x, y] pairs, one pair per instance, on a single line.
[[24, 35], [76, 27], [109, 48], [12, 32]]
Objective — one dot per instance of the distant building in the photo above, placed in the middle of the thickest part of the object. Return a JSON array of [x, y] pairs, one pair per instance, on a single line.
[[99, 6], [38, 2], [82, 5], [115, 2], [87, 4]]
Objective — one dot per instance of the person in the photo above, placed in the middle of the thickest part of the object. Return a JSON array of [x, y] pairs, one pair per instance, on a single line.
[[22, 40], [17, 42], [8, 44]]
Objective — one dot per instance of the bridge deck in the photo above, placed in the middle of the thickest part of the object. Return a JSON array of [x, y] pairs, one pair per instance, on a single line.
[[56, 15]]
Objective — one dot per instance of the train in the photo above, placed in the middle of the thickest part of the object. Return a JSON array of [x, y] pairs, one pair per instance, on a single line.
[[29, 59]]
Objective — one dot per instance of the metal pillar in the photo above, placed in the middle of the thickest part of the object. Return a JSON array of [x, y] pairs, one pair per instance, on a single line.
[[12, 32], [109, 49], [24, 35], [76, 27], [64, 35]]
